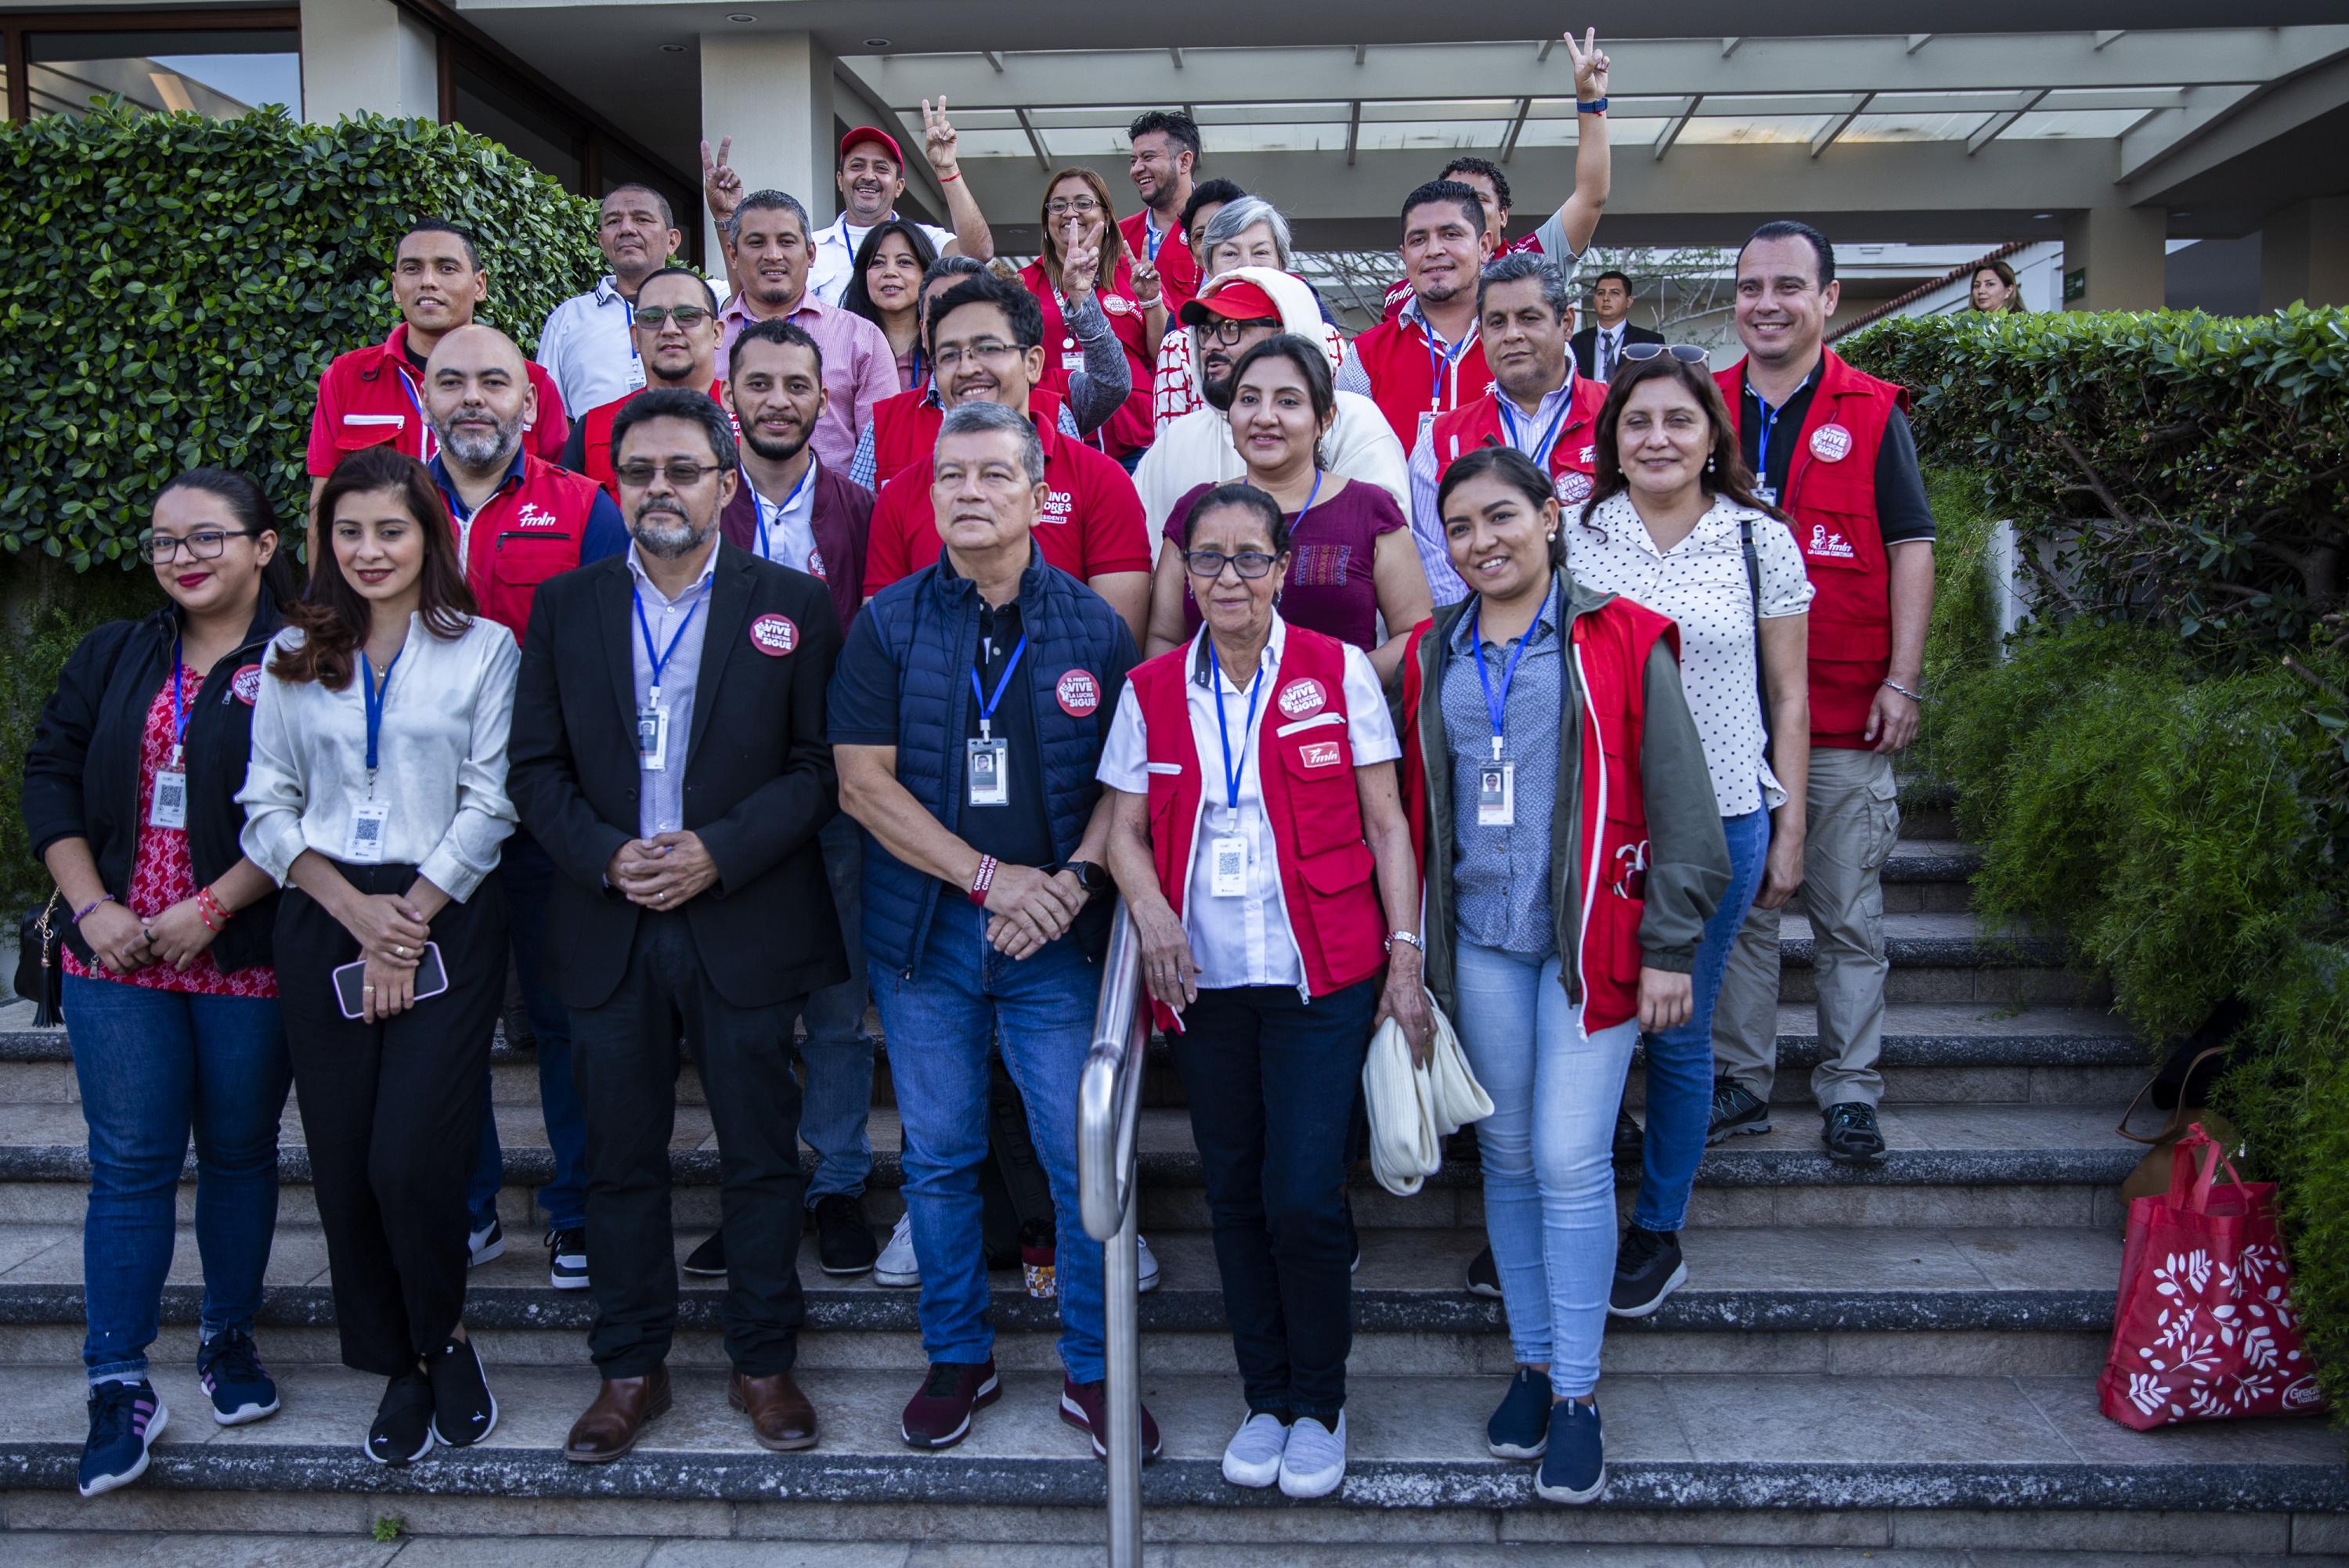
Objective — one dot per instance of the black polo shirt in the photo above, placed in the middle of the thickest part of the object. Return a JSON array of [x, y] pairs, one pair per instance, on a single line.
[[1901, 512]]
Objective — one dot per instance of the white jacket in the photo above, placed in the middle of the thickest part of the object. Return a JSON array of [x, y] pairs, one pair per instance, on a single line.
[[1195, 448]]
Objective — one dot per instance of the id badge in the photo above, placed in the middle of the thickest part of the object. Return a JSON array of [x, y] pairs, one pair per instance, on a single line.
[[1765, 492], [987, 768], [169, 808], [1230, 867], [364, 845], [1496, 795], [636, 372], [652, 738], [1072, 358], [1426, 423]]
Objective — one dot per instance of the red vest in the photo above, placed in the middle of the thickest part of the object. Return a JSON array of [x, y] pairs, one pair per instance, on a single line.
[[530, 531], [1831, 495], [1133, 427], [1307, 770], [1395, 356], [1572, 458], [905, 427], [1610, 647], [377, 399], [595, 430]]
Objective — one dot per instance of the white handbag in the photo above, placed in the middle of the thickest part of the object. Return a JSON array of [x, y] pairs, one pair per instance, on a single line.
[[1413, 1108]]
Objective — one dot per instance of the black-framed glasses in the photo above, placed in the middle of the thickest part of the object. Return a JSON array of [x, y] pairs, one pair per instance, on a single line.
[[683, 473], [1227, 332], [1208, 565], [686, 318], [1686, 353], [204, 545]]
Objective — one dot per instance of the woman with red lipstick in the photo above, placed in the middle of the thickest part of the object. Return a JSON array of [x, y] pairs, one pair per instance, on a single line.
[[885, 289], [130, 799], [376, 796]]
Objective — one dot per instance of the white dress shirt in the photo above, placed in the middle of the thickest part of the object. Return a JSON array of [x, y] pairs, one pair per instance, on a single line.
[[1243, 940], [787, 523], [587, 348], [1607, 350], [441, 754], [1526, 434]]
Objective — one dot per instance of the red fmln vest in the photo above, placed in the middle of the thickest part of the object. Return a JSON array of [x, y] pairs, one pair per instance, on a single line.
[[1611, 649], [1831, 495], [1307, 769], [596, 427], [1394, 355], [1572, 458], [523, 535]]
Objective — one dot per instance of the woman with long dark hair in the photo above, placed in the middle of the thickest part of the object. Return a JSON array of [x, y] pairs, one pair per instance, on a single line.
[[885, 289], [1674, 521], [377, 796], [166, 952]]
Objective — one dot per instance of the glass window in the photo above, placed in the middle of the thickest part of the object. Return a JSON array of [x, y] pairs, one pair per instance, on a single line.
[[528, 129], [220, 74]]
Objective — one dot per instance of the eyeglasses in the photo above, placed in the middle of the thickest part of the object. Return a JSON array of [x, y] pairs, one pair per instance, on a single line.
[[1208, 564], [1227, 332], [683, 472], [989, 350], [204, 545], [686, 316], [1081, 206], [1686, 353]]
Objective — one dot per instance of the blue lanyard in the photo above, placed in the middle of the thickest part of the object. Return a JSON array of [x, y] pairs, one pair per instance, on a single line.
[[988, 705], [373, 695], [659, 660], [1441, 360], [1256, 687], [180, 713], [1496, 704], [1763, 426], [1540, 454], [1152, 236], [759, 505], [626, 305]]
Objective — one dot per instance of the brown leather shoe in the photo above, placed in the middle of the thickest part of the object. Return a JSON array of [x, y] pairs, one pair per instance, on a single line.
[[624, 1407], [781, 1416]]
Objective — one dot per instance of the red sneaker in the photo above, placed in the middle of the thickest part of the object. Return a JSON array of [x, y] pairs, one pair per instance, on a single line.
[[1085, 1406], [939, 1417]]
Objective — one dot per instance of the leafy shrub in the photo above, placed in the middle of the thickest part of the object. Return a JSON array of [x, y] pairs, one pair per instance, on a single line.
[[171, 286], [2184, 470]]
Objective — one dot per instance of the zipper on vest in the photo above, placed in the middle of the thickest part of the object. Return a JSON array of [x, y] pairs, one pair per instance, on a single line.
[[1598, 848]]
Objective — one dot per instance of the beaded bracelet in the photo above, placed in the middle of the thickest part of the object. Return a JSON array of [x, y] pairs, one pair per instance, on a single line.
[[211, 912], [83, 912]]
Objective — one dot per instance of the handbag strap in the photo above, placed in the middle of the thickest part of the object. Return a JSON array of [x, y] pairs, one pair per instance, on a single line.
[[2176, 1125], [2198, 1153]]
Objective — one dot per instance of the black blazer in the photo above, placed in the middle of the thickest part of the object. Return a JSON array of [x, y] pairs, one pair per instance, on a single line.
[[81, 771], [1586, 344], [759, 778]]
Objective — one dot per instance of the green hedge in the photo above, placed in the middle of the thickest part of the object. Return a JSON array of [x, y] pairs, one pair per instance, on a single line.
[[2181, 469], [171, 286]]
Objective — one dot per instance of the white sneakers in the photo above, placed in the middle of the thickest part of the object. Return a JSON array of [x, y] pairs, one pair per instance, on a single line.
[[1148, 1263], [1314, 1463], [895, 1266], [1253, 1456]]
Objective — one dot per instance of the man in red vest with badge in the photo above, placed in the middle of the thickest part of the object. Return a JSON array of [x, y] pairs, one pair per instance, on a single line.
[[676, 329], [370, 397], [1831, 447], [1165, 144], [1537, 403]]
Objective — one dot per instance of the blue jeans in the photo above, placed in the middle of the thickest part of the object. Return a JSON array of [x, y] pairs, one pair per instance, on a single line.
[[152, 1065], [1547, 1149], [529, 877], [836, 1056], [1679, 1061], [966, 1001]]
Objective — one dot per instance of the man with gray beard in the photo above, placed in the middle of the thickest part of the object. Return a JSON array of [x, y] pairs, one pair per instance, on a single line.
[[668, 750], [519, 521]]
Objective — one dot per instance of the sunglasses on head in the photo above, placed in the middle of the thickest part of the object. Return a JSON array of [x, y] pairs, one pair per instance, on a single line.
[[1686, 353]]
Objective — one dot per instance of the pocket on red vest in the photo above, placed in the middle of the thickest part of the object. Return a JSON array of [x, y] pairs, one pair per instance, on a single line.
[[1322, 792]]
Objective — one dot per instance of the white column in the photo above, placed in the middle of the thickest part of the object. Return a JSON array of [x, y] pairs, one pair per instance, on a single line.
[[772, 93], [367, 54]]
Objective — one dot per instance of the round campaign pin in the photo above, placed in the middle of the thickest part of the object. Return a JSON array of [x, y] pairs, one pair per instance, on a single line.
[[246, 683], [774, 635], [1573, 487], [1830, 443], [1116, 304], [1080, 694], [1302, 698], [815, 564]]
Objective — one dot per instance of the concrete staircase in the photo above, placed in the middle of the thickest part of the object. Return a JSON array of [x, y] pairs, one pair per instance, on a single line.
[[1896, 1365]]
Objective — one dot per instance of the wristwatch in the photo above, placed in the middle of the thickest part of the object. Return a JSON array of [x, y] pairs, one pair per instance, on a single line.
[[1094, 878]]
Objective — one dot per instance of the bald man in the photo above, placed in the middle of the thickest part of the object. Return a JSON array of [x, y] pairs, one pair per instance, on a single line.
[[519, 521]]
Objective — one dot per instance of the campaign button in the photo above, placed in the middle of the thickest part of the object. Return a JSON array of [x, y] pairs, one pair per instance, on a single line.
[[1302, 698], [1078, 694], [1830, 443], [774, 635]]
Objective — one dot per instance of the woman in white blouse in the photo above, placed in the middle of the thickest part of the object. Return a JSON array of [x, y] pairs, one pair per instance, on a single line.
[[377, 794], [1674, 522]]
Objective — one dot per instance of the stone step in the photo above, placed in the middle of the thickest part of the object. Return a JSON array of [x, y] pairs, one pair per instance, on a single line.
[[1925, 876], [1685, 1442], [1945, 1165], [1879, 1302]]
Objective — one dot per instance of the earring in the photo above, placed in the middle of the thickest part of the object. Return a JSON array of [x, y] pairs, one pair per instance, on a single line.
[[1551, 536], [1711, 463]]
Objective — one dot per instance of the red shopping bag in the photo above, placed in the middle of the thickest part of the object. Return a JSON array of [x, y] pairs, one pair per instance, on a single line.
[[2204, 1328]]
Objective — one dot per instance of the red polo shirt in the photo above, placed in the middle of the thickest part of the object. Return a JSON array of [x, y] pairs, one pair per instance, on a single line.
[[1178, 269], [1092, 523], [372, 395]]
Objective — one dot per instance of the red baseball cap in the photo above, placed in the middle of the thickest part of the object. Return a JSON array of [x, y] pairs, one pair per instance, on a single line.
[[871, 133], [1239, 300]]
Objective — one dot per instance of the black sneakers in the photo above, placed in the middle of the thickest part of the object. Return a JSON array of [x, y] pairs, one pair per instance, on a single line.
[[1631, 1143], [566, 1258], [1485, 1276], [1735, 1110], [1648, 1268], [708, 1259], [1851, 1135], [464, 1411], [843, 1241], [402, 1432]]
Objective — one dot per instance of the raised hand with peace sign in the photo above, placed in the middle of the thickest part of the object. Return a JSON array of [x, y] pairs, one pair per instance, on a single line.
[[1590, 64]]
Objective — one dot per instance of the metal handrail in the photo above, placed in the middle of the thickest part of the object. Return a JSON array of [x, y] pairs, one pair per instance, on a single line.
[[1109, 1119]]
